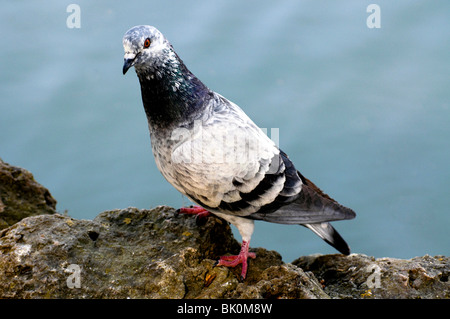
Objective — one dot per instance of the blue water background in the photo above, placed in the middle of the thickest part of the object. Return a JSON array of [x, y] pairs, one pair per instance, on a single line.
[[363, 112]]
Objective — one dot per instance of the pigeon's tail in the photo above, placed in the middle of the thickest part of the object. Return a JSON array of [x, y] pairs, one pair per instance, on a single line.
[[314, 198], [330, 235], [313, 209], [312, 206]]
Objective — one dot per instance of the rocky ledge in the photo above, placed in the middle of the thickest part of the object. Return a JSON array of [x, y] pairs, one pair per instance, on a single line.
[[21, 196], [157, 253]]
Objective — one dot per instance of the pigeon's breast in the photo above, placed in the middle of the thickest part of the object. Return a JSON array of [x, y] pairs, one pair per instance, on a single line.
[[162, 148]]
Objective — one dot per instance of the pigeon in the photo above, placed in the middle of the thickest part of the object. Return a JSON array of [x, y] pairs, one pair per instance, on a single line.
[[214, 154]]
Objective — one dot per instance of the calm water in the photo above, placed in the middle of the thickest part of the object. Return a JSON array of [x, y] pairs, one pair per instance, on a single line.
[[362, 112]]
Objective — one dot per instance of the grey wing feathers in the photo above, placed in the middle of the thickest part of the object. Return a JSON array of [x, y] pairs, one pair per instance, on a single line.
[[264, 185], [309, 206], [271, 181], [247, 173]]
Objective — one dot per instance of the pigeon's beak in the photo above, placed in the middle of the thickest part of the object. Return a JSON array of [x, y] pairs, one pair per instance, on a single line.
[[128, 62]]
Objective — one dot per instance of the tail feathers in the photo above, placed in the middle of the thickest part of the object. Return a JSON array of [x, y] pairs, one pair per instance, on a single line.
[[315, 192], [330, 235], [314, 201]]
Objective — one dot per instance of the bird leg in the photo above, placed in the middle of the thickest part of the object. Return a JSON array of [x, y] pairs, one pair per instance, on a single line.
[[227, 261], [200, 212], [233, 261]]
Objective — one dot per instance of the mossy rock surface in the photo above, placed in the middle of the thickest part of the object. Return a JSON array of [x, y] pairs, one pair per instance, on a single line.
[[21, 196]]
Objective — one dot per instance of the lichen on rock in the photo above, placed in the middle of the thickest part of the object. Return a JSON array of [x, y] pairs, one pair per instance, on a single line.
[[134, 253], [361, 276], [157, 253], [137, 254], [21, 196]]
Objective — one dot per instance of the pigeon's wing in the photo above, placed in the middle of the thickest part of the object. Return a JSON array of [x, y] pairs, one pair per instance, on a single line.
[[311, 205], [227, 164]]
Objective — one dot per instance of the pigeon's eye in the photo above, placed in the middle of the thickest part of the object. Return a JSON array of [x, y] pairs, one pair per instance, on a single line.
[[147, 43]]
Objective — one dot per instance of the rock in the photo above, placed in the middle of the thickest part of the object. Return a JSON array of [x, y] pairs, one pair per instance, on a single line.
[[134, 253], [157, 253], [21, 196], [361, 276]]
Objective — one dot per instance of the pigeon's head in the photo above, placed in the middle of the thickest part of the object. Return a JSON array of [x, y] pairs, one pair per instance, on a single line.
[[145, 48]]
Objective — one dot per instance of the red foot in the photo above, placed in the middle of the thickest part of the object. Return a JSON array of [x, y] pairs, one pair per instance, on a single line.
[[194, 210], [233, 261], [200, 213]]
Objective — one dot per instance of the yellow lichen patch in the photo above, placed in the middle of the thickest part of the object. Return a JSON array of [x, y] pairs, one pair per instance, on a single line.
[[187, 234], [209, 278], [127, 220], [69, 222], [366, 294]]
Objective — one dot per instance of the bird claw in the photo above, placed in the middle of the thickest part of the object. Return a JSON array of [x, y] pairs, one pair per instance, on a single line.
[[200, 213], [193, 210], [234, 260], [227, 261]]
